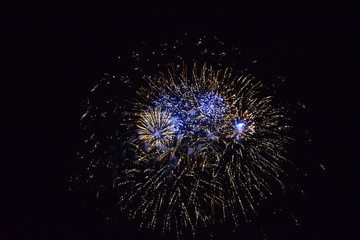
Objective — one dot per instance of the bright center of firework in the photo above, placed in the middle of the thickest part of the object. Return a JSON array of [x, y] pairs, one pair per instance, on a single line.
[[157, 133], [240, 126]]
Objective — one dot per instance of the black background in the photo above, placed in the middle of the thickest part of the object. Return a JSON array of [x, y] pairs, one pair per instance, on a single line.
[[53, 54]]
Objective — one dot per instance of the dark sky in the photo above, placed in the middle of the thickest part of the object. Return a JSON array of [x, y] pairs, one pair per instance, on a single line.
[[53, 54]]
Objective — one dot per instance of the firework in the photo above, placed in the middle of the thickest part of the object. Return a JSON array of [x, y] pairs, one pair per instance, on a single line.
[[156, 128], [206, 144]]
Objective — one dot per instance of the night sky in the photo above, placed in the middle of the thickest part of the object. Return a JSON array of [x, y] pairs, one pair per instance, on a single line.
[[54, 54]]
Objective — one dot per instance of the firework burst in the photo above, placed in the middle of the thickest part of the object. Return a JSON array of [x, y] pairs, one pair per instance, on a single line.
[[156, 128], [207, 146]]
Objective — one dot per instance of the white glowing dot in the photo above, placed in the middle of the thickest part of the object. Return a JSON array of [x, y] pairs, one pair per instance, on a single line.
[[240, 126]]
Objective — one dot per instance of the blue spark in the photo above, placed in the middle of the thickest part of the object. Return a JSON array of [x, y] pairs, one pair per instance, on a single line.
[[176, 106], [212, 105]]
